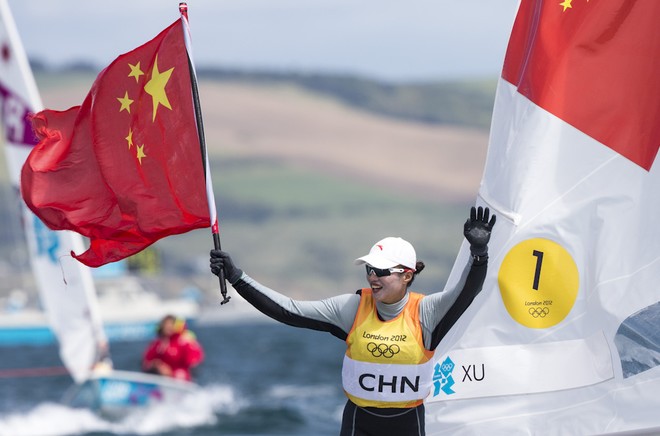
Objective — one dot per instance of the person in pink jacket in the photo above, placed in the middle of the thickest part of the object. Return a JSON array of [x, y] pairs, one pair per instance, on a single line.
[[174, 352]]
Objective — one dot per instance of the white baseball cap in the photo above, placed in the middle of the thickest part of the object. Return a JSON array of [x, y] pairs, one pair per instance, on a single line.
[[390, 252]]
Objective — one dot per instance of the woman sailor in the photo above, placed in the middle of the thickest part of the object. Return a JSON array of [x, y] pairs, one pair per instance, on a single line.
[[390, 332]]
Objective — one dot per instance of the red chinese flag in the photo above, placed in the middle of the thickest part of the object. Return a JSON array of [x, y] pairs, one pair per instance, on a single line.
[[125, 168], [594, 65]]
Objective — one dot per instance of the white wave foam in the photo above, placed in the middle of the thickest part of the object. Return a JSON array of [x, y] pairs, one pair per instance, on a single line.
[[313, 401], [50, 419], [195, 410]]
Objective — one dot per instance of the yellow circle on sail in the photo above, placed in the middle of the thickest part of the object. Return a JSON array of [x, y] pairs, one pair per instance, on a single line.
[[538, 281]]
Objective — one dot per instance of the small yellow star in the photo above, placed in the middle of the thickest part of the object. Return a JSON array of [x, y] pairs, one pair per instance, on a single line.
[[135, 71], [125, 103], [129, 138], [156, 87], [566, 4], [140, 153]]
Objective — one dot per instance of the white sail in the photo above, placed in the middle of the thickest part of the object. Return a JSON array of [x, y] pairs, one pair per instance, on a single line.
[[564, 337], [66, 287]]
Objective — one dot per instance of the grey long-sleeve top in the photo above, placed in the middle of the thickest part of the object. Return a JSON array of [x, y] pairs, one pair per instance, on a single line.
[[438, 312]]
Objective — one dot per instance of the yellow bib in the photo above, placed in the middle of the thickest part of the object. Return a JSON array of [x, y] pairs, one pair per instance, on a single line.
[[386, 364]]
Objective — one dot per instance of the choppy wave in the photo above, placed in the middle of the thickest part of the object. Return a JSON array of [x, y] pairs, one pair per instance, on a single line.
[[255, 380], [316, 402], [638, 341], [196, 410]]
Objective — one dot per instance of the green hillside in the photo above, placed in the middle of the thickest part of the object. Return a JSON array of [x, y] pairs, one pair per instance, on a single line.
[[458, 103], [300, 232], [298, 228]]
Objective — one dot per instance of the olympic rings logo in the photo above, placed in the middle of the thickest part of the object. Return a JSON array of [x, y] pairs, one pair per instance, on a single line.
[[387, 351], [538, 312]]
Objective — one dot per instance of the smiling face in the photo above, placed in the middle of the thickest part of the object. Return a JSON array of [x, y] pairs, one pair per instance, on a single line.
[[389, 289]]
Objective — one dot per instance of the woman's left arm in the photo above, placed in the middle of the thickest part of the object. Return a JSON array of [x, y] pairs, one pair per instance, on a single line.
[[439, 312]]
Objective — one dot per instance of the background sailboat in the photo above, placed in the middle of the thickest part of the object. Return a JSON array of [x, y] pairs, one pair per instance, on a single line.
[[76, 324], [65, 286]]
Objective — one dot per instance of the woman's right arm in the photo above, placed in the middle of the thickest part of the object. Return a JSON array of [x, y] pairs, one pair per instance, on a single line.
[[334, 315]]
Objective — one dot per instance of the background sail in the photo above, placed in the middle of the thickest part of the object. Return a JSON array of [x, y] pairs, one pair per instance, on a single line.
[[564, 337], [70, 306]]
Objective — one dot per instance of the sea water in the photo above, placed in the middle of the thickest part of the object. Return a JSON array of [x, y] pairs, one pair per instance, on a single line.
[[258, 378]]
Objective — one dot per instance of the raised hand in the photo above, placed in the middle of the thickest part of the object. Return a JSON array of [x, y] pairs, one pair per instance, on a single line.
[[477, 230]]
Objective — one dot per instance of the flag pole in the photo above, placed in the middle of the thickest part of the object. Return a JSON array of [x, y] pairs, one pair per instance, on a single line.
[[215, 229]]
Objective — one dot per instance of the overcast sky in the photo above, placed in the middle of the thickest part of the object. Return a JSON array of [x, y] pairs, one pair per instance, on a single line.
[[386, 39]]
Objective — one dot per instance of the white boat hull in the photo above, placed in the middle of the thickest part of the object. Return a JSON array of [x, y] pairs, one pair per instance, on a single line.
[[113, 394]]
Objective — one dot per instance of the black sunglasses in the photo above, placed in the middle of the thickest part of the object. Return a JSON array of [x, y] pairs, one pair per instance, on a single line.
[[383, 272]]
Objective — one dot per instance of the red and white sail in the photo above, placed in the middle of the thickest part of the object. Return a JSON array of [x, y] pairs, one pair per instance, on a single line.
[[565, 337]]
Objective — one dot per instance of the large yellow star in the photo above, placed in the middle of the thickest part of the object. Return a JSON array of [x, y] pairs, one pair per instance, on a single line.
[[566, 4], [140, 153], [135, 71], [155, 87], [129, 138], [125, 103]]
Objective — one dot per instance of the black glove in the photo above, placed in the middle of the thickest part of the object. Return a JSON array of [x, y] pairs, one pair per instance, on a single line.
[[222, 260], [477, 230]]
